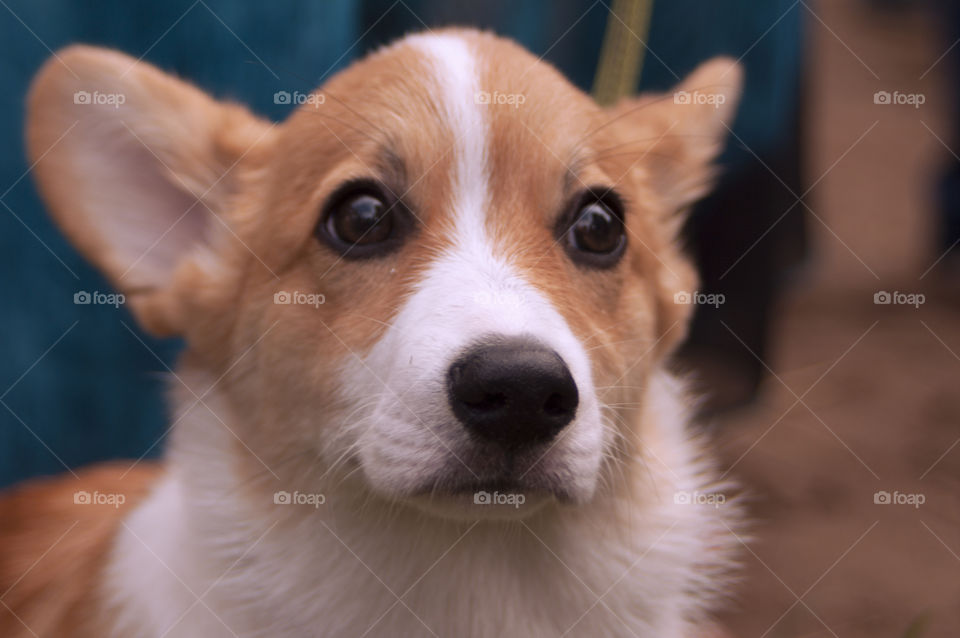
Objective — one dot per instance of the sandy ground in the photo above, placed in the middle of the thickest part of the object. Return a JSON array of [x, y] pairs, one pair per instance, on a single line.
[[862, 397], [860, 403]]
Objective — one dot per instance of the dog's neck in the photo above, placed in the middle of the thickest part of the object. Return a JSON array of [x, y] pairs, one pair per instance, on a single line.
[[210, 554]]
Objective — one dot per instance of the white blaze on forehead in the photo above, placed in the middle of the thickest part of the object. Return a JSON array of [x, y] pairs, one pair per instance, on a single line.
[[456, 79], [473, 289]]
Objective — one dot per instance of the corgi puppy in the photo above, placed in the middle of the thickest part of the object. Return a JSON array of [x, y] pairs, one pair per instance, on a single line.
[[423, 392]]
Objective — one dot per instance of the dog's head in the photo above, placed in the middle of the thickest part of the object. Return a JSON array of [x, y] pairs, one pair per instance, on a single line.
[[449, 269]]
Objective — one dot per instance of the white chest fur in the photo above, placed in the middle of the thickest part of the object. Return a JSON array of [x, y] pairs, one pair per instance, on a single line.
[[197, 560]]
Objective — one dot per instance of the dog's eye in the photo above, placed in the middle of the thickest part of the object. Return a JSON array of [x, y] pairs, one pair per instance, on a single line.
[[597, 236], [360, 222]]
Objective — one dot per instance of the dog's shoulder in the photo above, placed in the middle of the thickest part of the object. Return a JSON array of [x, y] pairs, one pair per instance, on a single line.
[[55, 535]]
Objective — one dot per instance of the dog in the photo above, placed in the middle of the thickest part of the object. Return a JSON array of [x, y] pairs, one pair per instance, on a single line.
[[424, 389]]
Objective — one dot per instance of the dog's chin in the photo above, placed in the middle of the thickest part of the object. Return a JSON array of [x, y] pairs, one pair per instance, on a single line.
[[482, 482], [481, 503]]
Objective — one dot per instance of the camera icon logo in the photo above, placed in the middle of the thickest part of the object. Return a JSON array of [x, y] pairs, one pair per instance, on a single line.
[[282, 498], [682, 97], [482, 97], [882, 498], [882, 298], [882, 97], [681, 498], [82, 97], [482, 498], [82, 298], [281, 97], [82, 497], [283, 298], [682, 297]]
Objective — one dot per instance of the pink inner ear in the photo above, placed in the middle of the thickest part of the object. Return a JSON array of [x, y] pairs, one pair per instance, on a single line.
[[142, 212]]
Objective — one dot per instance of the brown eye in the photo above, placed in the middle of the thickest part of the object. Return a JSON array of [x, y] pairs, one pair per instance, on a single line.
[[596, 236], [360, 222]]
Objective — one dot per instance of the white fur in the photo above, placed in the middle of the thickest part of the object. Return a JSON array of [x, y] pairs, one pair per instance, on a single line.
[[455, 75], [330, 571], [620, 563]]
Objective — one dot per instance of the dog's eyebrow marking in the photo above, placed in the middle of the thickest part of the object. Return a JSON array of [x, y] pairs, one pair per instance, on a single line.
[[392, 168], [571, 176], [455, 75]]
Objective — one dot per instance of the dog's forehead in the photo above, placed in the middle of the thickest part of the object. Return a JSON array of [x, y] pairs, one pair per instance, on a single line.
[[455, 85], [466, 114], [482, 84]]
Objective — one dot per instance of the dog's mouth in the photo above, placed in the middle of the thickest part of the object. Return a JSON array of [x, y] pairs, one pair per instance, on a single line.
[[467, 475], [482, 467], [507, 497]]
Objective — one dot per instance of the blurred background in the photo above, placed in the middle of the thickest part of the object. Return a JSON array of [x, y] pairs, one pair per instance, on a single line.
[[831, 372]]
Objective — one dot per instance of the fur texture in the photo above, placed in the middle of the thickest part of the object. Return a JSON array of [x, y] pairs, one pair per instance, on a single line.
[[204, 216]]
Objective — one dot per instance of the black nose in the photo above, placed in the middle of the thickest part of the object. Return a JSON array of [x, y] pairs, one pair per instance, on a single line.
[[515, 392]]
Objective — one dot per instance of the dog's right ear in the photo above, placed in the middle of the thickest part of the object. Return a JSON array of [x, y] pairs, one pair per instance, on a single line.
[[136, 167]]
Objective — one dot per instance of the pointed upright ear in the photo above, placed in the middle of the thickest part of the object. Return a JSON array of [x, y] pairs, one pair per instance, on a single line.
[[681, 131], [134, 164], [666, 145]]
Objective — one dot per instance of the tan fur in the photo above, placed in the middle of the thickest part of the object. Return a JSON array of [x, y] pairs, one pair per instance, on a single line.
[[54, 549], [260, 191]]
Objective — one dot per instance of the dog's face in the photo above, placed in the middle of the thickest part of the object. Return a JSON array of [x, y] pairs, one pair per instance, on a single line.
[[448, 272]]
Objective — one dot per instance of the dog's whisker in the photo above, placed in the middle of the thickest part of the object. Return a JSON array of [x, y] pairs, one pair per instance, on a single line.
[[641, 340]]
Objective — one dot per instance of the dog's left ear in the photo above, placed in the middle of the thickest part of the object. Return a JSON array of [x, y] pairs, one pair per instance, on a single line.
[[667, 144], [682, 131], [138, 169]]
